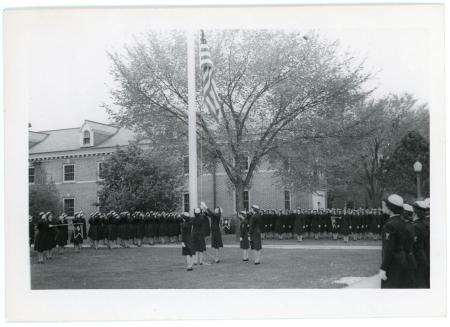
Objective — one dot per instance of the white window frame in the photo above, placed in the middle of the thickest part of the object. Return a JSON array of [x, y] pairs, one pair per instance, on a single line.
[[64, 204], [34, 175], [64, 173], [98, 170], [246, 154], [184, 172], [284, 199], [89, 138], [184, 203], [243, 198]]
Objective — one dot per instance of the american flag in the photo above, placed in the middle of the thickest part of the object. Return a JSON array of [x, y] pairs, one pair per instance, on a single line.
[[210, 96]]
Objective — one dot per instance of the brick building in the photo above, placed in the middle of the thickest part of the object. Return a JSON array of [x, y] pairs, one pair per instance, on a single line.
[[72, 158]]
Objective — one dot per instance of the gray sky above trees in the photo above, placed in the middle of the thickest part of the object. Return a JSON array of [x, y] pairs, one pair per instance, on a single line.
[[69, 70]]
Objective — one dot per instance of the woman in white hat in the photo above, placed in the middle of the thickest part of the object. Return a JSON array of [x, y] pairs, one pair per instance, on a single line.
[[393, 264]]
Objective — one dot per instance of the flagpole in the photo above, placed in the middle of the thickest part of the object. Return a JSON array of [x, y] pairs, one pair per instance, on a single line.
[[192, 126]]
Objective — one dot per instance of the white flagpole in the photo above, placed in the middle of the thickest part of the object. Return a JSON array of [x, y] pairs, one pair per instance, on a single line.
[[192, 126]]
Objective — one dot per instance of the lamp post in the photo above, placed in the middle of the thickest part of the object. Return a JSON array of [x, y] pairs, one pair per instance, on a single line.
[[418, 169]]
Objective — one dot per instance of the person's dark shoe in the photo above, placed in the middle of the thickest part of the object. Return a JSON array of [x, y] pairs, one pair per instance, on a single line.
[[244, 259], [189, 269], [257, 263], [217, 261]]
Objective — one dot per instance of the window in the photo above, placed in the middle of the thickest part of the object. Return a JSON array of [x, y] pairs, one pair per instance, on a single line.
[[99, 170], [286, 164], [31, 175], [243, 161], [186, 202], [86, 138], [69, 173], [69, 207], [246, 200], [287, 200], [186, 165]]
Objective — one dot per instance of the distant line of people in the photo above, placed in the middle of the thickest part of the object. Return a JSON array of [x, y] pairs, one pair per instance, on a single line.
[[323, 223]]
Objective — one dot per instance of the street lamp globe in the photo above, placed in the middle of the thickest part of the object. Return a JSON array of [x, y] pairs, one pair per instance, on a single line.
[[417, 167]]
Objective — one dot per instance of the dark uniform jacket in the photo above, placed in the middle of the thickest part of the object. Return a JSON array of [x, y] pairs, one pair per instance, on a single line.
[[255, 231], [393, 252]]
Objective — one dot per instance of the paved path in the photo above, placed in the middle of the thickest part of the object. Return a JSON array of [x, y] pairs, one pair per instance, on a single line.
[[269, 246]]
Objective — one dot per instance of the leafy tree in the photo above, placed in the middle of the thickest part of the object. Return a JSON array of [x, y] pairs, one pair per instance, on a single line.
[[347, 152], [398, 175], [139, 179], [267, 81], [44, 198]]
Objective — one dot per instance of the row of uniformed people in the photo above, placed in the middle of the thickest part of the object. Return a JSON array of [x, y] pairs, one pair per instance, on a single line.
[[301, 223], [405, 261], [48, 233], [127, 228]]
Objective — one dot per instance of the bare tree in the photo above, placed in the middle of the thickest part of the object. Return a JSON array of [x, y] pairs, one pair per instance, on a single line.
[[266, 80]]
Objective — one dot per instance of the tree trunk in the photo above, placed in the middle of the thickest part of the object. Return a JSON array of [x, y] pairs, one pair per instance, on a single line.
[[239, 189]]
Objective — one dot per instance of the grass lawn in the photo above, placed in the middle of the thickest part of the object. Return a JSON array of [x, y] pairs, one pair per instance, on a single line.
[[156, 267]]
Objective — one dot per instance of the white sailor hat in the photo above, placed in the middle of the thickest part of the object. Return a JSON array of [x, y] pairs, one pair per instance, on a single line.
[[408, 207], [185, 214], [243, 212], [395, 200], [197, 210], [422, 205], [218, 210], [255, 207], [427, 202]]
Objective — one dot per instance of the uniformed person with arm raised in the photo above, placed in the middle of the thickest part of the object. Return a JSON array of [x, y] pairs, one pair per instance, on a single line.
[[393, 260], [216, 235]]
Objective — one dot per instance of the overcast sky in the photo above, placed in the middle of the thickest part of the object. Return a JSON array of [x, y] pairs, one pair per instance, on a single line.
[[69, 74]]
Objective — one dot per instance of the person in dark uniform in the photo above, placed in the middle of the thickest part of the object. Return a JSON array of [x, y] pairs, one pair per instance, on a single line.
[[40, 244], [82, 219], [334, 222], [410, 239], [52, 221], [187, 246], [93, 230], [77, 232], [279, 225], [31, 230], [345, 225], [244, 242], [62, 233], [198, 237], [140, 228], [272, 222], [422, 232], [255, 233], [393, 267], [315, 224], [216, 235], [298, 225]]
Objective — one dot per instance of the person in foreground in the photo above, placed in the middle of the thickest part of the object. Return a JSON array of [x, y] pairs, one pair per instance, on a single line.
[[393, 264]]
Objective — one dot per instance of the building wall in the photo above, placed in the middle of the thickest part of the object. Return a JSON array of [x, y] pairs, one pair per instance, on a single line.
[[265, 189]]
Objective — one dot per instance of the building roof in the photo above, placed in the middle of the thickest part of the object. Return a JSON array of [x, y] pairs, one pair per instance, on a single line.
[[69, 139]]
